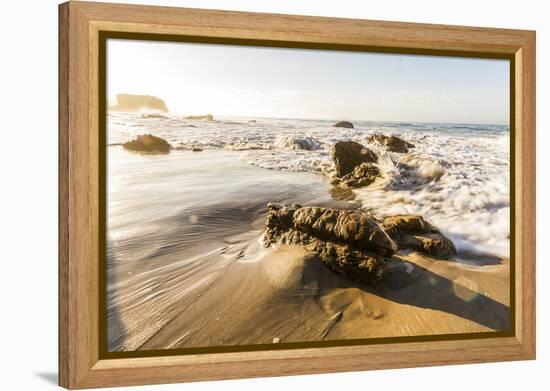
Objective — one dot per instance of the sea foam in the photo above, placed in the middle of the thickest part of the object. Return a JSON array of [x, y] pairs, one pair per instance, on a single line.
[[457, 176]]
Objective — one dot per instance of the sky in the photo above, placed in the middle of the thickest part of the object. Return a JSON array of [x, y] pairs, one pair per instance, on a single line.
[[246, 81]]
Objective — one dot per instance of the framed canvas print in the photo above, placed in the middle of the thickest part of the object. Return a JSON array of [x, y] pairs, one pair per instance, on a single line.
[[249, 194]]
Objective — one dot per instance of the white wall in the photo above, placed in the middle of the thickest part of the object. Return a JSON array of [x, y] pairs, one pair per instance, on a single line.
[[28, 218]]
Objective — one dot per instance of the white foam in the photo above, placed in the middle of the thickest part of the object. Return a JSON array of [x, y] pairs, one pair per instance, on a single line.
[[295, 142]]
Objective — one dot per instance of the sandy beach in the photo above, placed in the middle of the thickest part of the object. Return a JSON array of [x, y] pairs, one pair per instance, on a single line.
[[290, 296], [186, 266]]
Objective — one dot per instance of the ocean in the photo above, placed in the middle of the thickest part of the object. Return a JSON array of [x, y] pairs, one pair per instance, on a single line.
[[457, 176]]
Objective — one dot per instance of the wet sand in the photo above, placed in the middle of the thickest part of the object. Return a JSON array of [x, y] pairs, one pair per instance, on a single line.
[[240, 294], [195, 277]]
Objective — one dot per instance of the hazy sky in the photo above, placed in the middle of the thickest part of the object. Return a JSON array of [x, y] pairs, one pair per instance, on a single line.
[[295, 83]]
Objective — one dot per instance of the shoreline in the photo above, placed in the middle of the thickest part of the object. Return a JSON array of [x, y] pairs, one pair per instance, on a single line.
[[183, 292]]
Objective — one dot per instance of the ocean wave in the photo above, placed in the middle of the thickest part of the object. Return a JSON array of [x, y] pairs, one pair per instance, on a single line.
[[457, 176], [297, 142], [423, 166]]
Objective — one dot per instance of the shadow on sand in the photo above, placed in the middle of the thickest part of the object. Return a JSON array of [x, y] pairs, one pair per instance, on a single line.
[[423, 289], [430, 290]]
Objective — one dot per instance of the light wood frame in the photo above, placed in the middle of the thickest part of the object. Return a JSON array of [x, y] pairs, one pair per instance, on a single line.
[[80, 24]]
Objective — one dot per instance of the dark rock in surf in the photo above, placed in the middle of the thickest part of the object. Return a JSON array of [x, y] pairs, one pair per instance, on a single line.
[[392, 143], [148, 143], [207, 117], [349, 242], [349, 154], [414, 233], [362, 175], [343, 124], [154, 115]]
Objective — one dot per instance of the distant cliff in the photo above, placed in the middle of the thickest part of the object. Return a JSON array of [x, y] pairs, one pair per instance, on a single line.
[[136, 103]]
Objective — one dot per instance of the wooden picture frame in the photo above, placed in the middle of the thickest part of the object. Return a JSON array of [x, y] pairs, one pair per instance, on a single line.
[[81, 25]]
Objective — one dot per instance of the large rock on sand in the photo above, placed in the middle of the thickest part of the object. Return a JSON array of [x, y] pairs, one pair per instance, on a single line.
[[349, 242], [349, 154], [392, 143], [343, 124], [149, 144], [415, 233]]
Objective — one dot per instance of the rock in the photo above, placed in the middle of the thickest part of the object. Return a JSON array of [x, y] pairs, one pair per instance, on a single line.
[[415, 233], [207, 117], [348, 154], [343, 124], [348, 242], [359, 266], [393, 143], [293, 142], [403, 224], [195, 149], [434, 244], [149, 144], [153, 115], [363, 175], [136, 103]]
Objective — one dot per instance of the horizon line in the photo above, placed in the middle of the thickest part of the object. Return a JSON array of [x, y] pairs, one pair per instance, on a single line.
[[317, 119]]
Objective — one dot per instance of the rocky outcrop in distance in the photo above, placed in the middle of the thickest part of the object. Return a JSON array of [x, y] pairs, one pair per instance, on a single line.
[[154, 115], [136, 103], [207, 117], [343, 124]]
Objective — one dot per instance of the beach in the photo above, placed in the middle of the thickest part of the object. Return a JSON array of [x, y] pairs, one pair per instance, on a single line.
[[186, 266]]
